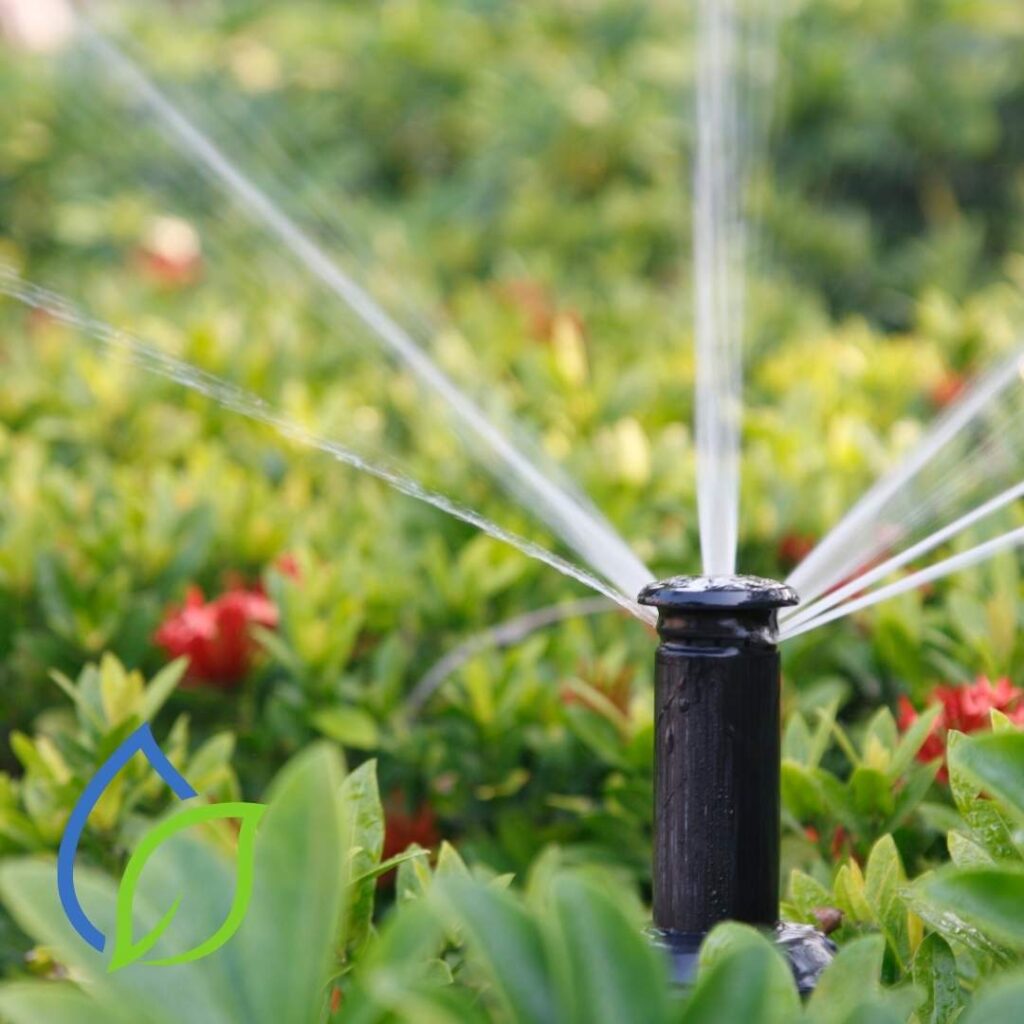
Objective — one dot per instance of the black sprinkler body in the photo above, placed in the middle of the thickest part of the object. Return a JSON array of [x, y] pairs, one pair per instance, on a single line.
[[716, 757]]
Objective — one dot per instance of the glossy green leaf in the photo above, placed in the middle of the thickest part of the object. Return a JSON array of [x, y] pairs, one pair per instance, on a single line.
[[987, 823], [995, 761], [992, 898], [935, 975]]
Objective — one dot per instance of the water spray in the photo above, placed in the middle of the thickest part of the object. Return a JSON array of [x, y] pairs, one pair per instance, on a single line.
[[717, 749]]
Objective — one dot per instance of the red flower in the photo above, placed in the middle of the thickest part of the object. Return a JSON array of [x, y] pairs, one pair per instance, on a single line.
[[288, 565], [948, 389], [794, 548], [966, 709], [215, 636], [841, 840], [402, 829]]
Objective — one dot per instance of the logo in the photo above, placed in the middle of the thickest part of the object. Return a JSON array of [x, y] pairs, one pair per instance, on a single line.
[[127, 949]]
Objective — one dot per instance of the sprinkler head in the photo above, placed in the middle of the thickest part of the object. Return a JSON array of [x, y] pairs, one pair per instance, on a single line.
[[707, 609], [716, 757]]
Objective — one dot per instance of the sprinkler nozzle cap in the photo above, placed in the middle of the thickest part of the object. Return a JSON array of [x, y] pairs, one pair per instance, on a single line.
[[750, 593]]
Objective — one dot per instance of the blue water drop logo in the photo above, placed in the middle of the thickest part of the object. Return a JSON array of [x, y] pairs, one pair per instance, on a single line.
[[140, 741]]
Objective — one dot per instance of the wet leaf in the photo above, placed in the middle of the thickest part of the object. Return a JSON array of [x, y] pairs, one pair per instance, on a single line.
[[992, 898], [996, 763], [935, 975]]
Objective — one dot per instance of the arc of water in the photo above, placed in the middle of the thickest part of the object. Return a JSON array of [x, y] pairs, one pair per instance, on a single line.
[[963, 560], [718, 243], [255, 408], [851, 543], [915, 551], [582, 528]]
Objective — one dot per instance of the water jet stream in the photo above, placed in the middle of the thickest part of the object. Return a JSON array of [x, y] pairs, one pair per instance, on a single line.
[[255, 408], [865, 531], [963, 560], [861, 582], [581, 527], [718, 244]]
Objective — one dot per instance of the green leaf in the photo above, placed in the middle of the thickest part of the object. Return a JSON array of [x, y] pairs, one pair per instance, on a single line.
[[398, 977], [848, 981], [912, 741], [883, 881], [160, 687], [140, 992], [120, 690], [390, 864], [965, 852], [361, 797], [301, 880], [351, 727], [58, 1003], [935, 975], [610, 972], [871, 792], [916, 784], [992, 898], [449, 862], [801, 794], [999, 1003], [506, 944], [127, 950], [414, 876], [806, 894], [750, 983], [984, 818], [995, 761]]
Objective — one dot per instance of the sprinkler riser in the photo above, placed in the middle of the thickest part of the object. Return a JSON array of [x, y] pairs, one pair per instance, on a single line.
[[716, 786], [716, 772], [716, 752]]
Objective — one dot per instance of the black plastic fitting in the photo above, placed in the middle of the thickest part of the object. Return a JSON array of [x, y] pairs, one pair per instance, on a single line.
[[716, 757]]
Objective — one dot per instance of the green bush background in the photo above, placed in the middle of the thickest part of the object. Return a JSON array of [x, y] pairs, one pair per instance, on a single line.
[[520, 172]]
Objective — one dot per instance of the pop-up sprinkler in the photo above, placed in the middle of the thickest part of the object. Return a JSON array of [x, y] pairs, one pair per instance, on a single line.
[[716, 767]]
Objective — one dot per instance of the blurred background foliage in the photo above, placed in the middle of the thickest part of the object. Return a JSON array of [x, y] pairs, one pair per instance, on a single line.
[[520, 171]]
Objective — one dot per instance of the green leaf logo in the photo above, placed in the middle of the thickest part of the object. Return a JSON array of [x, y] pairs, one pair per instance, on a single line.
[[126, 949]]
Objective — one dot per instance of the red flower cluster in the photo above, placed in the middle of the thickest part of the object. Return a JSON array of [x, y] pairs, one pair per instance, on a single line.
[[965, 709], [402, 829], [215, 635]]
